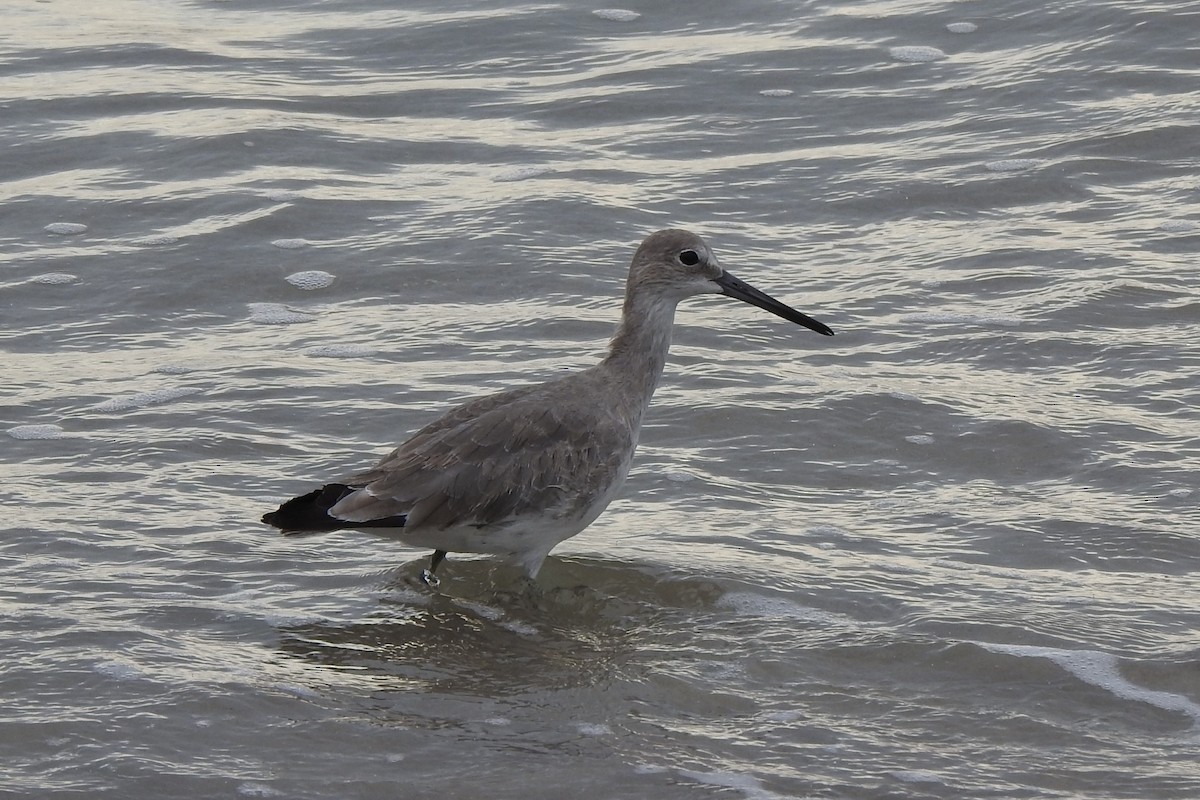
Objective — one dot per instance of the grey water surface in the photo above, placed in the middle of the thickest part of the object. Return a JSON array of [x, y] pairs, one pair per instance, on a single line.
[[951, 552]]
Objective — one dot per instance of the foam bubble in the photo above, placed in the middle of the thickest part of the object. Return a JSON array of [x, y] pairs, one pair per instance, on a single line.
[[915, 53], [919, 438], [1179, 226], [37, 432], [277, 314], [1011, 164], [251, 789], [679, 477], [776, 92], [171, 369], [1101, 670], [593, 728], [1180, 492], [290, 244], [54, 278], [311, 279], [962, 27], [616, 14], [65, 228], [520, 174], [282, 195], [142, 399], [339, 351]]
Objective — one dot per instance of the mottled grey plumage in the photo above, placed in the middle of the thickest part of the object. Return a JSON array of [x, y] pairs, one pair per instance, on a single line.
[[515, 473]]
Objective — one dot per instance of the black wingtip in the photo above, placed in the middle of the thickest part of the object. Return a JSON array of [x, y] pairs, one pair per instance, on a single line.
[[309, 513]]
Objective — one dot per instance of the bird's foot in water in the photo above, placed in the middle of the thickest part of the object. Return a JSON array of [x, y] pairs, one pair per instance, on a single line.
[[429, 579]]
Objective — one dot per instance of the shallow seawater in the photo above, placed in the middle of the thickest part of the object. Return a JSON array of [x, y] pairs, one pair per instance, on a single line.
[[950, 552]]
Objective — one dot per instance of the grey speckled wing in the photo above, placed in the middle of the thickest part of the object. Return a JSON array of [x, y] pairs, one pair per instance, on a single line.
[[532, 451]]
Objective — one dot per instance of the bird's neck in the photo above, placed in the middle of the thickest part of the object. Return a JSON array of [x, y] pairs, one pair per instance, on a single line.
[[638, 350]]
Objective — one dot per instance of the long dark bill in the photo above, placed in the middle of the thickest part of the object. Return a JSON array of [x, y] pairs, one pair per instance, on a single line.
[[738, 289]]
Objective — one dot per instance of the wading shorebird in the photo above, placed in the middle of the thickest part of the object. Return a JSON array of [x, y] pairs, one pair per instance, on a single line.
[[513, 474]]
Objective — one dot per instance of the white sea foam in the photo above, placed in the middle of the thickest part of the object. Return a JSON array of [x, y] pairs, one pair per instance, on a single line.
[[65, 228], [1179, 226], [919, 438], [520, 173], [1102, 670], [290, 244], [277, 314], [153, 397], [915, 53], [121, 670], [311, 279], [776, 92], [519, 628], [154, 240], [339, 351], [616, 14], [593, 728], [37, 432], [1012, 164], [962, 27], [171, 369], [54, 278]]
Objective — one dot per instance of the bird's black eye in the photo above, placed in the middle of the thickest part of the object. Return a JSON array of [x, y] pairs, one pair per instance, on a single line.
[[689, 258]]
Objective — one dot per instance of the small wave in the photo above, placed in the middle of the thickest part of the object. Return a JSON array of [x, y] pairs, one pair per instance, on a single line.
[[761, 605], [748, 785], [1102, 670], [965, 319]]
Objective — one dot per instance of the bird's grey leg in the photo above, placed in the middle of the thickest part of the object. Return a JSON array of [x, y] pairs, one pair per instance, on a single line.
[[427, 575]]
